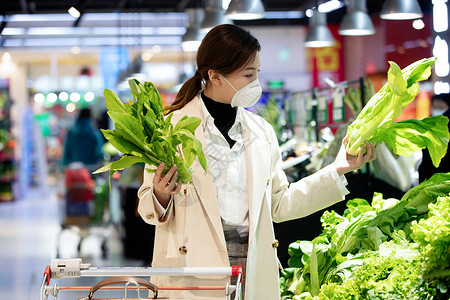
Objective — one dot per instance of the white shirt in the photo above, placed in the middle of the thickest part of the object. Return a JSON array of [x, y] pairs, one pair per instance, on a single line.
[[228, 169]]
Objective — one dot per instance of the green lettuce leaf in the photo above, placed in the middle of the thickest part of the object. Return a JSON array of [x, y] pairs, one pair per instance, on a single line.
[[124, 162], [406, 137], [378, 115]]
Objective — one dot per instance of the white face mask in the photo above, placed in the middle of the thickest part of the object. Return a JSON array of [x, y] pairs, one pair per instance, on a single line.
[[437, 112], [246, 96]]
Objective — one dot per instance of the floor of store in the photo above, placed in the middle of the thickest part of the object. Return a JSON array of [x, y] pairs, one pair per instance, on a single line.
[[31, 235]]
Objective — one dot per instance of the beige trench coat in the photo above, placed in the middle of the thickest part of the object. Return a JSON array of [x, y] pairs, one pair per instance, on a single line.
[[190, 234]]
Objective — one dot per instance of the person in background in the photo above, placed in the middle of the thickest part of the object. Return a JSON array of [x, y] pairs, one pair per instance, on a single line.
[[224, 217], [83, 142], [440, 105]]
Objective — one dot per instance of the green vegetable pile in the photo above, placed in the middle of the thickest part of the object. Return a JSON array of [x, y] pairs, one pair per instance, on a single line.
[[144, 135], [375, 123], [390, 249]]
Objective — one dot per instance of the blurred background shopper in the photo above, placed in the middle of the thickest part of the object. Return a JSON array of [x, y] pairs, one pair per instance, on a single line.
[[83, 142]]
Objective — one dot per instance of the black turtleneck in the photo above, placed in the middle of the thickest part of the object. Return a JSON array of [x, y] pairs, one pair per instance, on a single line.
[[224, 116]]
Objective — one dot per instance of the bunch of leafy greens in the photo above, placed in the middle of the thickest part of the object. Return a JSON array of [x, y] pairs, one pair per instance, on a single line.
[[349, 240], [375, 122], [144, 135], [434, 238]]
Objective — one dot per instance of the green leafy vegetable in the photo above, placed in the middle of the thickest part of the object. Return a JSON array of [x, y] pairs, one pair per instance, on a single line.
[[144, 135], [406, 137], [433, 235], [373, 252], [375, 122]]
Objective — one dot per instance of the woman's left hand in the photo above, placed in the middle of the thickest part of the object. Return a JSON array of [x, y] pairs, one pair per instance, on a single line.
[[346, 163]]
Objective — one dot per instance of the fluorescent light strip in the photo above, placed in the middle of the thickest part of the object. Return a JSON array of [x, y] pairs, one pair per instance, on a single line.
[[284, 15], [137, 31], [13, 31], [39, 18], [93, 41], [96, 17]]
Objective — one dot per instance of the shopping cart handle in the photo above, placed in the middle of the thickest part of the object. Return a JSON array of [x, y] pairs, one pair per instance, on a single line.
[[47, 278], [71, 267], [235, 270]]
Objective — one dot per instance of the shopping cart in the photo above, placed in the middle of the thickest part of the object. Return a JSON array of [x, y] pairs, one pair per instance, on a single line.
[[65, 268]]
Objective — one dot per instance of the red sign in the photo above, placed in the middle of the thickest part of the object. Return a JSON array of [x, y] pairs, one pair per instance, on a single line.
[[327, 62]]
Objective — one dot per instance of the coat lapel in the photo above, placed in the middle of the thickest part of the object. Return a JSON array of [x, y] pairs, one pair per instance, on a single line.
[[257, 151], [203, 182]]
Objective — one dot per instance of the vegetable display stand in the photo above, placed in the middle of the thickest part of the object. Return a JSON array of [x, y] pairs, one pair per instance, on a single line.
[[130, 279]]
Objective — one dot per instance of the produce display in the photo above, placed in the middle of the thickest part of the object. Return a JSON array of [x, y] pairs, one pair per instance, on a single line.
[[353, 96], [375, 123], [389, 249], [144, 135]]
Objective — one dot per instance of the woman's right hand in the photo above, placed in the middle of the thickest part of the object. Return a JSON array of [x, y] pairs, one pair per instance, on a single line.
[[165, 186]]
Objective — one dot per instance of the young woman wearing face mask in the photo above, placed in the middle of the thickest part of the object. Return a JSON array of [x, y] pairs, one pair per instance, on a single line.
[[224, 217]]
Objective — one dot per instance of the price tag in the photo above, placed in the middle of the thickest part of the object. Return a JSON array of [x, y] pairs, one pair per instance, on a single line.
[[322, 110], [338, 107]]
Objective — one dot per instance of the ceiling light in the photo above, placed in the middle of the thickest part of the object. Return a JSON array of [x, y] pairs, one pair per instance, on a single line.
[[330, 6], [418, 24], [71, 107], [440, 51], [401, 10], [39, 98], [156, 49], [245, 10], [441, 87], [63, 96], [356, 21], [440, 15], [6, 56], [214, 15], [89, 96], [146, 56], [318, 34], [52, 97], [75, 97], [74, 12], [193, 37]]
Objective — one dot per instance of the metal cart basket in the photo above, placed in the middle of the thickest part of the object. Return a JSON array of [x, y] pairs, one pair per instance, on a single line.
[[65, 268]]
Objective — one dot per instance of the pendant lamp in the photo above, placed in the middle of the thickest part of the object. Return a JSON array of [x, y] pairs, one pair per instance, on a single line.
[[318, 34], [193, 37], [356, 21], [401, 10], [214, 15], [245, 10]]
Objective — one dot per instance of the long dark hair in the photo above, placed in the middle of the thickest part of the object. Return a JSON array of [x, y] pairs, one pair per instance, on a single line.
[[225, 49]]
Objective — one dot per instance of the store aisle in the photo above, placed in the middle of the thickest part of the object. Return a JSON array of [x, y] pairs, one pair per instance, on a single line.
[[30, 235], [27, 243]]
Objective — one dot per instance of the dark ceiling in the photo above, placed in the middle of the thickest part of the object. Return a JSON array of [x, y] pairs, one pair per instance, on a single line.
[[87, 6]]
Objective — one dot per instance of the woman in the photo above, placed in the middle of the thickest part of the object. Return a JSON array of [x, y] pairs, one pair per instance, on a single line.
[[225, 215]]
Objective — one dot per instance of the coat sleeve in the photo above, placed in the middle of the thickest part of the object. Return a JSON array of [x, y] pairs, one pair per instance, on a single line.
[[306, 196], [147, 206]]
